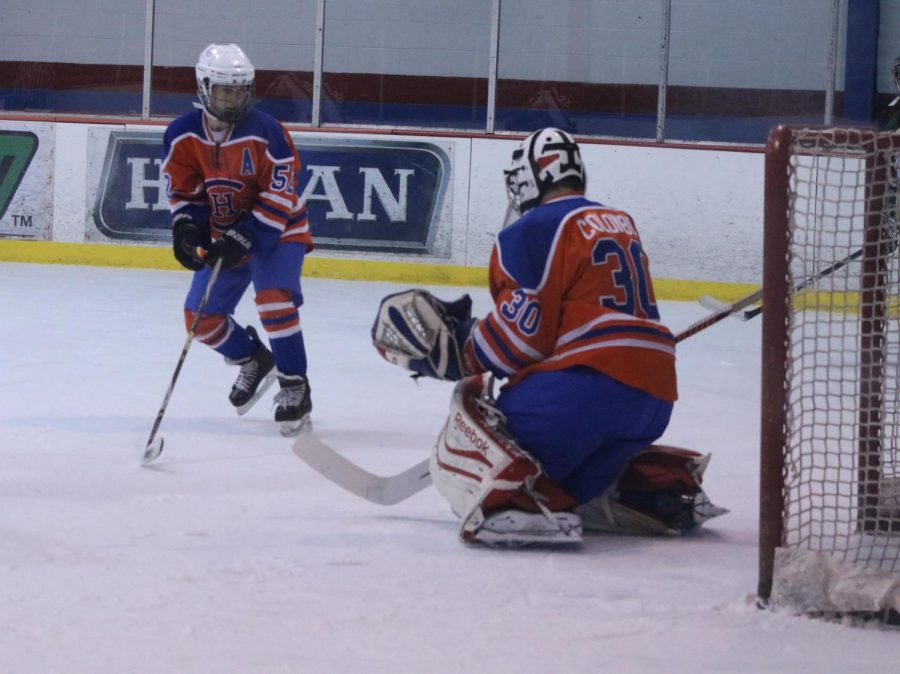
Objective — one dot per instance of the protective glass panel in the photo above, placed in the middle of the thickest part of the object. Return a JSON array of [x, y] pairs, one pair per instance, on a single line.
[[82, 58], [748, 73], [588, 67], [278, 39], [406, 63]]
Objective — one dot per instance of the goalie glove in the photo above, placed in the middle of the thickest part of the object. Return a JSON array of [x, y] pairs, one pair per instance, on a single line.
[[418, 332]]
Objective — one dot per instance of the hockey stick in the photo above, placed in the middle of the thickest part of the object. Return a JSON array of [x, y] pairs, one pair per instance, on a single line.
[[394, 489], [720, 315], [155, 445], [715, 304], [727, 310], [388, 490]]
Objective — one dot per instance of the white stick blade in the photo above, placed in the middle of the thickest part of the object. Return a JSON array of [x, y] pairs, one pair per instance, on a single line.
[[717, 305], [346, 474], [712, 303], [152, 450]]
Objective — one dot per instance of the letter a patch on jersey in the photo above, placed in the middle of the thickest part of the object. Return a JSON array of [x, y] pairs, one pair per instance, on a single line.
[[247, 168]]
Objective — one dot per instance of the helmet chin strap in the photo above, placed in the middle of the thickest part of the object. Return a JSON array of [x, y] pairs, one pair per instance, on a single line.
[[216, 123]]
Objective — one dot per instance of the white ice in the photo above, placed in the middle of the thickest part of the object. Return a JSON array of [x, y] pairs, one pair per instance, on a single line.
[[230, 555]]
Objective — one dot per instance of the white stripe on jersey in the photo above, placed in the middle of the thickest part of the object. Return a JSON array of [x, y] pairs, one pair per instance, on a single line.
[[633, 343], [491, 354]]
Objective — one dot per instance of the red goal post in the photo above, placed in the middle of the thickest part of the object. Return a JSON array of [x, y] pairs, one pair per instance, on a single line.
[[830, 392]]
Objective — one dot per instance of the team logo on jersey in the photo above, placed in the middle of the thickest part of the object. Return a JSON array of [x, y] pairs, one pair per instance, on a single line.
[[17, 149], [361, 194], [222, 197]]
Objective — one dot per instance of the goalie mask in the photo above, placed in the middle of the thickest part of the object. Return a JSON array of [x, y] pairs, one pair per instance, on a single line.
[[225, 79], [543, 160]]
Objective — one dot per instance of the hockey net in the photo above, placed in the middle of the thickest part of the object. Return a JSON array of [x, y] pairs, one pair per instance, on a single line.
[[830, 438]]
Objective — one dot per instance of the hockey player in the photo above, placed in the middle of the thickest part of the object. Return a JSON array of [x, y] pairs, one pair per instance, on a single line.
[[231, 177], [590, 372]]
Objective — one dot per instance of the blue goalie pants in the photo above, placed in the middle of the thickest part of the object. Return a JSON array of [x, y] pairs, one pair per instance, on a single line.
[[582, 425]]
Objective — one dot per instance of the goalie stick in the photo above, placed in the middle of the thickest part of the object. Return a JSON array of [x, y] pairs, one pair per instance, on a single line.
[[394, 489], [331, 465]]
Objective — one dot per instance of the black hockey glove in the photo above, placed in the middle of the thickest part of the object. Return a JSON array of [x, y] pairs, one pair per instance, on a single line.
[[189, 239], [233, 247]]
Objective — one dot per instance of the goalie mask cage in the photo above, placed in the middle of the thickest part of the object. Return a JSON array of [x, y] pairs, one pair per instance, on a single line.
[[830, 394]]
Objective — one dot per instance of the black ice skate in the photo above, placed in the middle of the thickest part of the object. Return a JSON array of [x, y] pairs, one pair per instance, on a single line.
[[293, 405], [256, 376]]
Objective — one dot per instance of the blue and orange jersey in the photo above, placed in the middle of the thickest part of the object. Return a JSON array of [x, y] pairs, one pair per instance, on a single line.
[[571, 286], [250, 174]]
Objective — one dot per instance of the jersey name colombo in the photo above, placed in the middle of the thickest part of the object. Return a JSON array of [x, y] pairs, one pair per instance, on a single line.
[[572, 287], [252, 168]]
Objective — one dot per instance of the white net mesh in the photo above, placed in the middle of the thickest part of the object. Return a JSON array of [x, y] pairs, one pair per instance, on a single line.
[[842, 470]]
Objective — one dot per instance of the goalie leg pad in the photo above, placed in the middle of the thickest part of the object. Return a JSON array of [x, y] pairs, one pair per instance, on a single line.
[[660, 492], [498, 490]]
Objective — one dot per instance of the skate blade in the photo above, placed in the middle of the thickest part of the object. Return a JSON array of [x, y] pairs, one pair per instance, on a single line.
[[289, 429], [264, 386]]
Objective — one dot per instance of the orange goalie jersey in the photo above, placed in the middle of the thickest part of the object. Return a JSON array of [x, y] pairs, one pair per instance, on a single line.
[[572, 287], [248, 176]]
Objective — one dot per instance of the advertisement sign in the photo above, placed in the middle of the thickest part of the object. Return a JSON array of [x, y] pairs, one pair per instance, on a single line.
[[376, 194], [26, 190]]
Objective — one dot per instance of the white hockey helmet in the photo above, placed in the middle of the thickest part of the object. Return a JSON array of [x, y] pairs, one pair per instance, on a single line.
[[225, 66], [544, 159]]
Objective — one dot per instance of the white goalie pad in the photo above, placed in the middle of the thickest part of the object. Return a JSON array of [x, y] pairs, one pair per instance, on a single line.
[[481, 471], [469, 454], [414, 331]]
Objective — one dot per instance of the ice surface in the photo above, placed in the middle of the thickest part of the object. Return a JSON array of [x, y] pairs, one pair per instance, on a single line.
[[230, 555]]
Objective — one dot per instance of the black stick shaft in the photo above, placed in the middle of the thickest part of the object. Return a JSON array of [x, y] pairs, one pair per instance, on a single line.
[[187, 344], [756, 296]]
